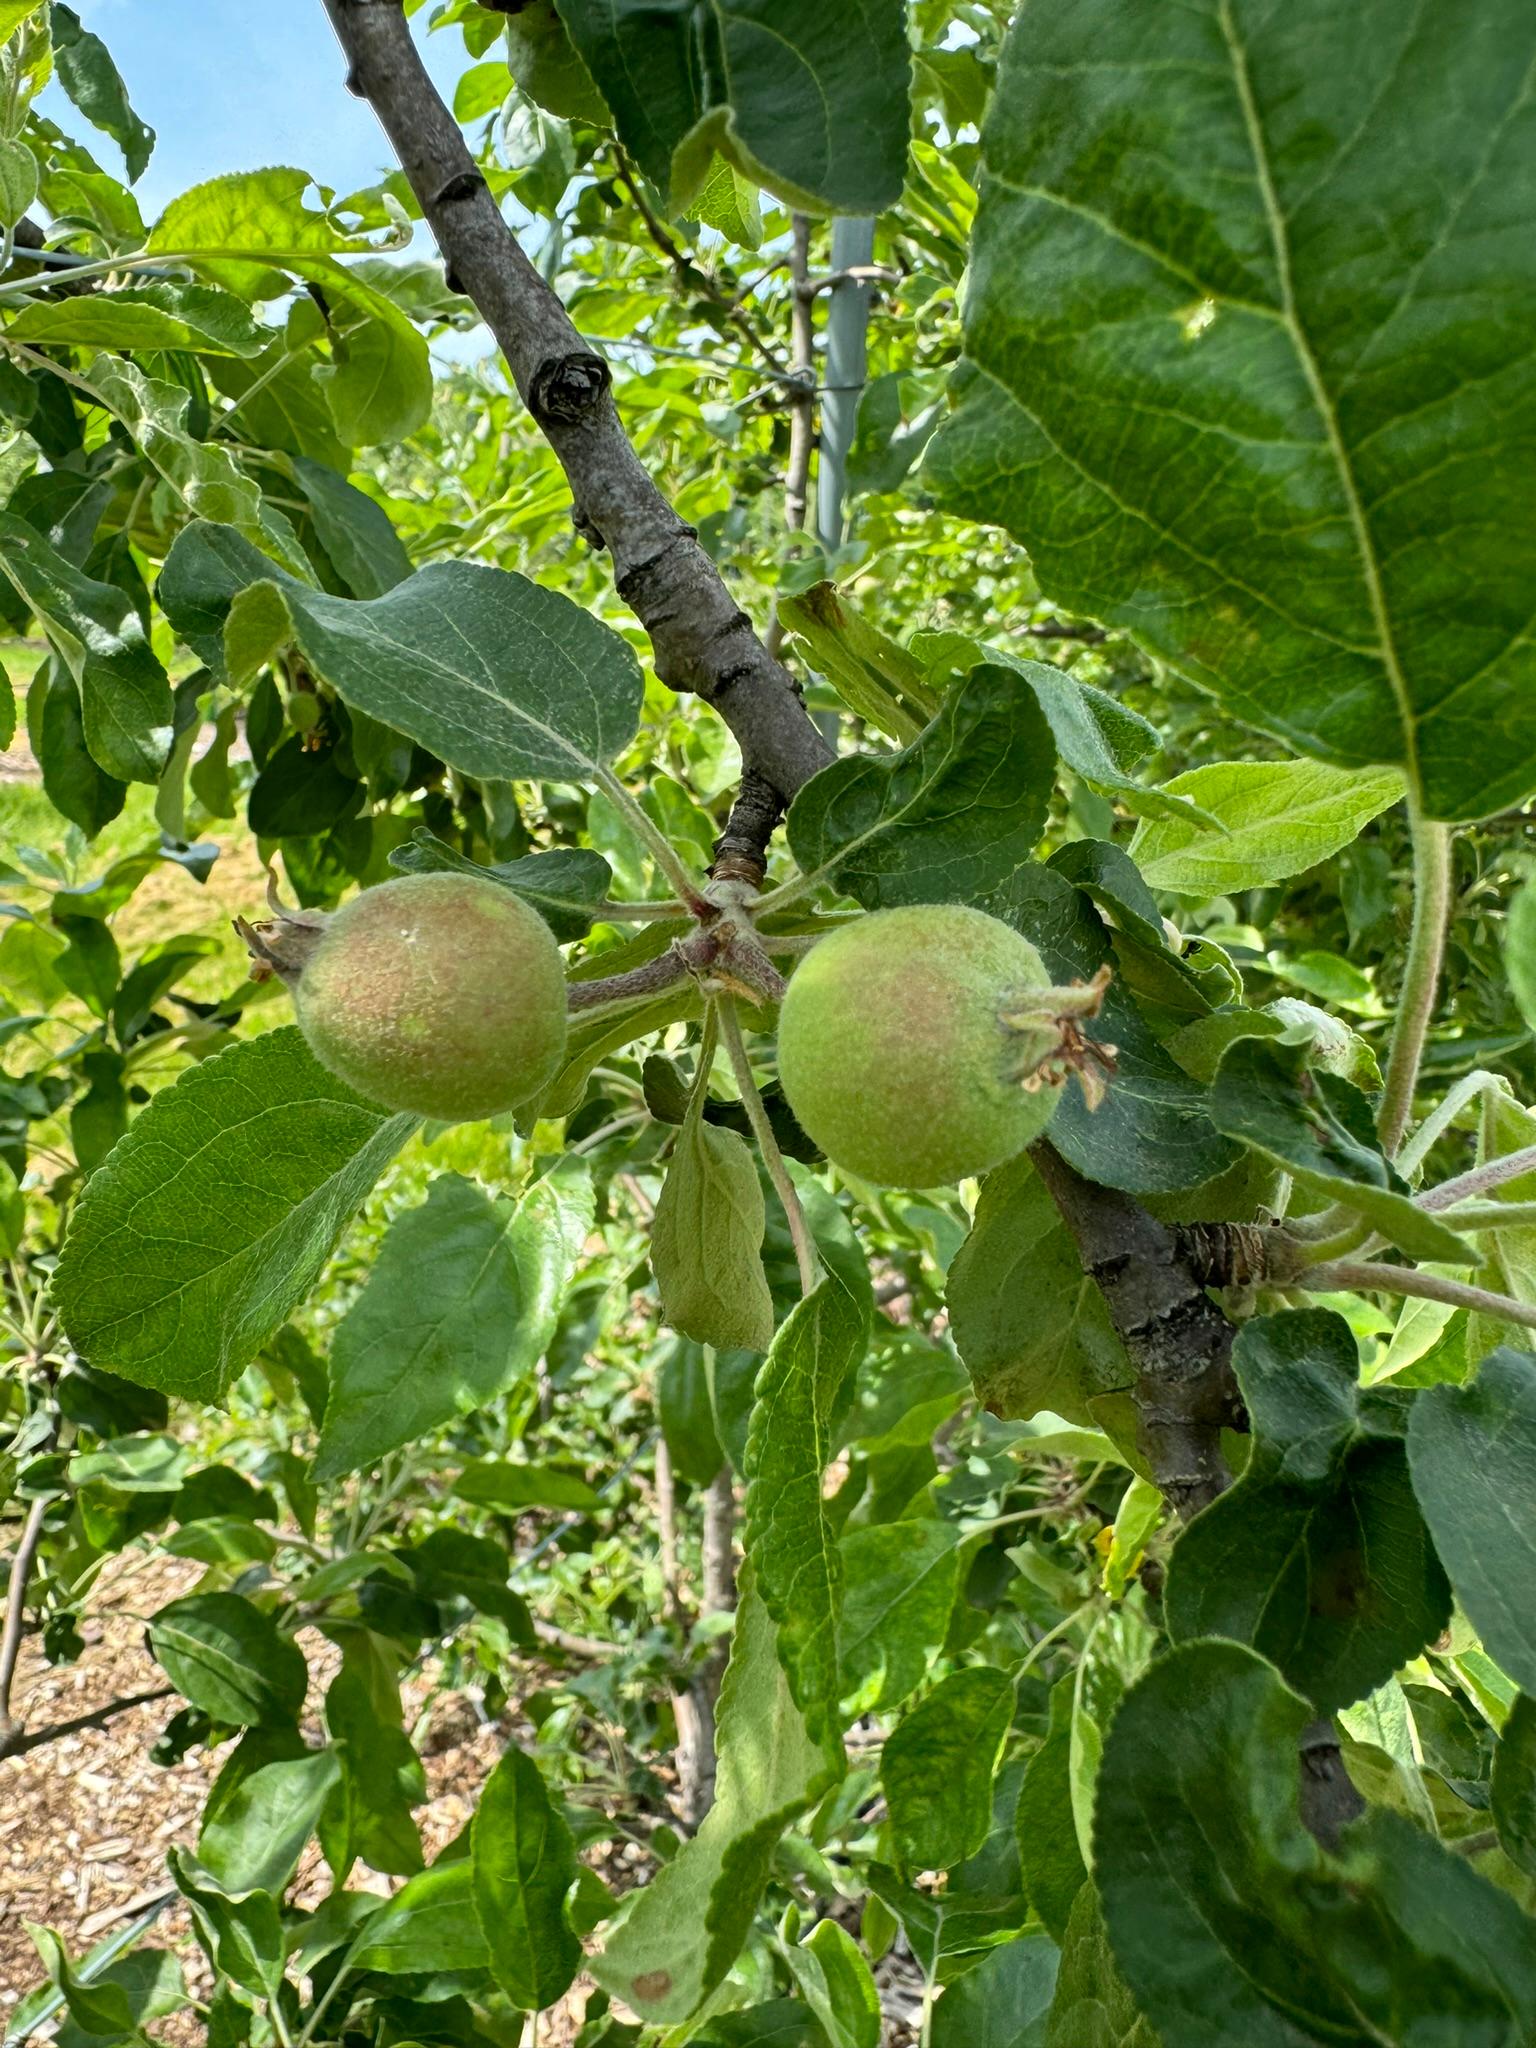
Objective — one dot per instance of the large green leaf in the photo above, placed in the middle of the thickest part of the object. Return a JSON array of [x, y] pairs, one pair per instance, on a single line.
[[1318, 1556], [494, 674], [1473, 1454], [213, 1217], [1319, 1127], [226, 1656], [875, 677], [565, 886], [429, 1925], [684, 1930], [203, 473], [1004, 2002], [253, 1839], [381, 1779], [938, 1764], [949, 817], [810, 101], [197, 317], [125, 696], [1275, 819], [1248, 363], [523, 1862], [707, 1239], [461, 1301], [899, 1583], [92, 80], [1029, 1323], [355, 531], [1231, 1924], [1050, 1854], [1092, 2007], [789, 1533]]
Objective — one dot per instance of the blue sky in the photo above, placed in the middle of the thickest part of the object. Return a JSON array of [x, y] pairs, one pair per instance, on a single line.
[[230, 85]]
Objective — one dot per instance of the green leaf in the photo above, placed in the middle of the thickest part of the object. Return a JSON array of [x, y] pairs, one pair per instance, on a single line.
[[91, 79], [945, 820], [1472, 1451], [809, 102], [1514, 1786], [226, 1656], [682, 1932], [242, 1936], [1030, 1325], [356, 533], [430, 1925], [212, 1219], [835, 1982], [204, 475], [133, 1464], [1275, 818], [197, 317], [875, 677], [18, 181], [1247, 337], [494, 674], [1153, 1132], [1049, 1852], [1319, 1127], [543, 60], [513, 1487], [707, 1240], [242, 224], [1004, 2002], [728, 202], [1520, 952], [125, 697], [938, 1764], [1318, 1556], [253, 1841], [462, 1299], [378, 383], [899, 1585], [1229, 1921], [687, 1411], [522, 1863], [1097, 736], [1093, 2008], [381, 1780], [450, 1564], [790, 1535], [80, 791]]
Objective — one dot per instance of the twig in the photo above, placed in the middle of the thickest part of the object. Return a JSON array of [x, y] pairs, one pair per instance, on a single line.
[[1421, 976], [15, 1609], [1370, 1276], [690, 276], [37, 1738], [802, 416], [799, 1230], [1477, 1180]]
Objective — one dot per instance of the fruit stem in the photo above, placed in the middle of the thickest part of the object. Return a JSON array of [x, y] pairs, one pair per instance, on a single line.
[[661, 849], [1421, 976], [799, 1230]]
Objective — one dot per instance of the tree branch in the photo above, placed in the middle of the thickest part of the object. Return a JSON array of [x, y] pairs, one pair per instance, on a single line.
[[1178, 1340], [701, 638]]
